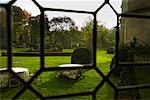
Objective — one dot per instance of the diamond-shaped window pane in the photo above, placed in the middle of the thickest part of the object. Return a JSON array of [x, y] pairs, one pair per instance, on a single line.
[[64, 37], [25, 37], [106, 33]]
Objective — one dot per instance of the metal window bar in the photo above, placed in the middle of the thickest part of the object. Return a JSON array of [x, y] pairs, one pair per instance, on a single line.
[[93, 66]]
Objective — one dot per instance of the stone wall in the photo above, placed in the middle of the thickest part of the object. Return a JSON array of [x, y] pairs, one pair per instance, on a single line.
[[137, 4], [133, 27]]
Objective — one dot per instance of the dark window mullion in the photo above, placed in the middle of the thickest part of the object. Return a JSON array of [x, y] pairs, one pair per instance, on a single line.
[[117, 53], [42, 39], [94, 40], [117, 42], [9, 37]]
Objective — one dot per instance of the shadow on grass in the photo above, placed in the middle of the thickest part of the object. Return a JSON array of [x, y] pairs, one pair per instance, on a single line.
[[8, 93], [51, 81], [61, 83], [49, 84]]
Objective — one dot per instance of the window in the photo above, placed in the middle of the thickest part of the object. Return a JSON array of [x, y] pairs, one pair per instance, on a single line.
[[121, 18]]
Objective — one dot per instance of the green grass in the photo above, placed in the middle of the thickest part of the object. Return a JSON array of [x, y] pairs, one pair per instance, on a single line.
[[48, 84]]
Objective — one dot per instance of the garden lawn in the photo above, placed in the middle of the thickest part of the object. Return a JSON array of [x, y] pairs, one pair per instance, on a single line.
[[48, 84]]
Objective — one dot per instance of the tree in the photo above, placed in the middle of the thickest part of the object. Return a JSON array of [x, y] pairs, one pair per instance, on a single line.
[[103, 37], [62, 30], [86, 31], [34, 22], [21, 28], [62, 23], [113, 35]]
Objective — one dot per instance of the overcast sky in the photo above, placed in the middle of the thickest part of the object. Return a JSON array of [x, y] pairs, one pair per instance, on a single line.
[[106, 16]]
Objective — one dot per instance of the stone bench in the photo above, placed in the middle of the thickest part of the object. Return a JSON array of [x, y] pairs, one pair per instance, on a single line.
[[6, 77], [71, 73]]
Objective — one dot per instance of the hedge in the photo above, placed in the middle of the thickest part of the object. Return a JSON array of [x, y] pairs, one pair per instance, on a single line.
[[37, 54]]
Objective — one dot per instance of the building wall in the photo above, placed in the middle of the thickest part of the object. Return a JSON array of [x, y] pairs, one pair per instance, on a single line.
[[137, 4], [133, 27]]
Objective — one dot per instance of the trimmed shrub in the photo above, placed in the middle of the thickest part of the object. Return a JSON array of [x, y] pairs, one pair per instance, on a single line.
[[37, 54]]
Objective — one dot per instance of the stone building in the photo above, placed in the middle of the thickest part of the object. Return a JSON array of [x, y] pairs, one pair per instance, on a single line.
[[135, 27]]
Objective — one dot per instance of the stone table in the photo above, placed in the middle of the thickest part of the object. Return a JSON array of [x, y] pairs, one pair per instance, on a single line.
[[70, 73], [5, 75]]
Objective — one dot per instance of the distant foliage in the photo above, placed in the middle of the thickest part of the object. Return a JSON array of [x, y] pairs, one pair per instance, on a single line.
[[60, 32], [34, 23], [21, 27], [105, 37]]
